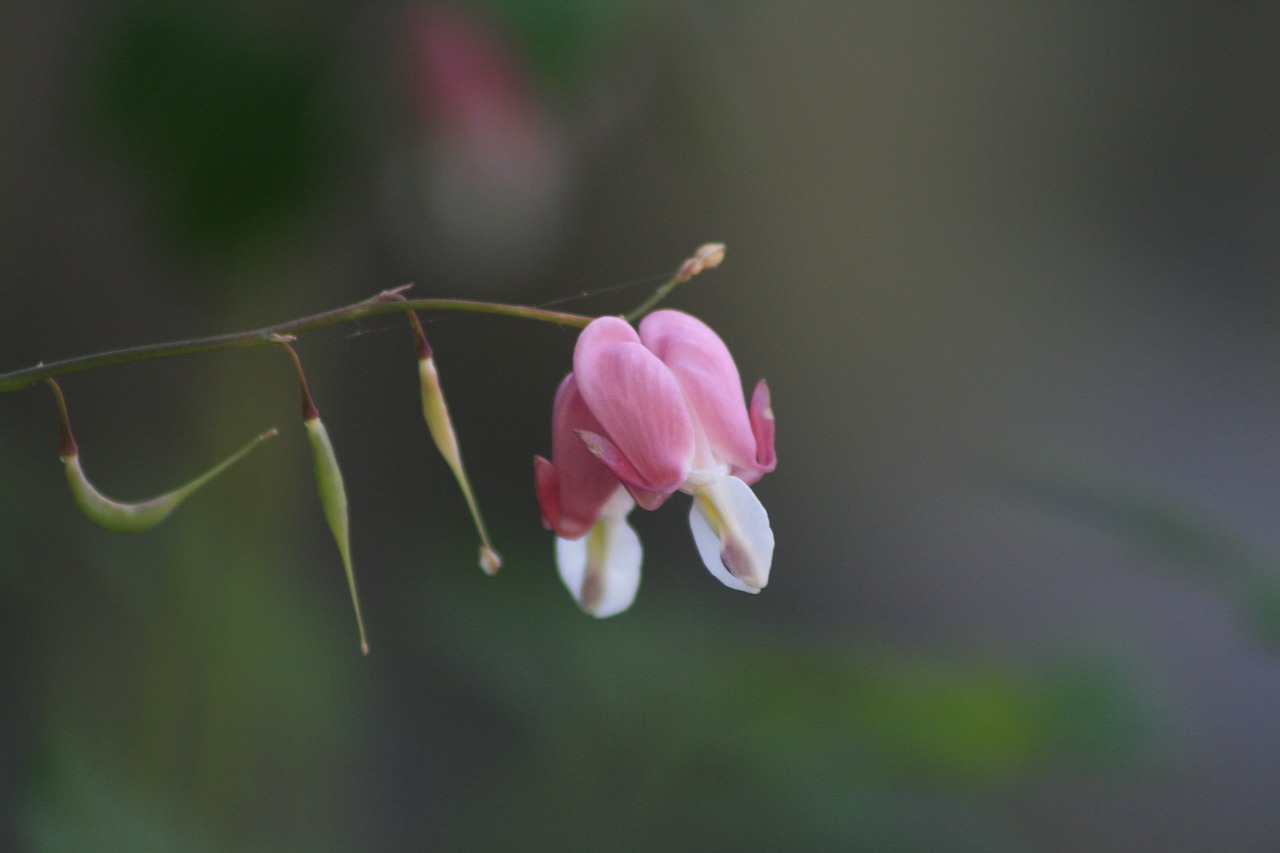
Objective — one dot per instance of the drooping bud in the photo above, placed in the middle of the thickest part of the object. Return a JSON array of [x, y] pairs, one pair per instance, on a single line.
[[440, 425], [329, 485], [118, 516]]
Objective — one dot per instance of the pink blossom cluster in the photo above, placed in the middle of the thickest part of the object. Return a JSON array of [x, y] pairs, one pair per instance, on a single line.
[[645, 414]]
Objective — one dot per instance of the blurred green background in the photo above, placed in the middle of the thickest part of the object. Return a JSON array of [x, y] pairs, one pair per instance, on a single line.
[[1009, 269]]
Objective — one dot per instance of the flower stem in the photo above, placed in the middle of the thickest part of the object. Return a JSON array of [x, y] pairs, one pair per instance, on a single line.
[[708, 256], [657, 296], [387, 302]]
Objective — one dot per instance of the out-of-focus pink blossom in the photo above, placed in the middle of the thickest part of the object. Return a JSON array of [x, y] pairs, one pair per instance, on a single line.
[[490, 167]]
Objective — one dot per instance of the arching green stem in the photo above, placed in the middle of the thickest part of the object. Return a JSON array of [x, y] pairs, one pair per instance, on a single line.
[[383, 303]]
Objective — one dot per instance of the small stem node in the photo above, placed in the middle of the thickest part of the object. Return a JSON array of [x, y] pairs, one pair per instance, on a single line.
[[708, 256]]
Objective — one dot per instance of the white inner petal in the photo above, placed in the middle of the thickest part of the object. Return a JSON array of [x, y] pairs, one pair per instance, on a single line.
[[727, 515], [571, 560], [621, 572], [604, 564]]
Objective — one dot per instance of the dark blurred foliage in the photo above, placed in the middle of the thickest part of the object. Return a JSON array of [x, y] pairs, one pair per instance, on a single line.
[[955, 233], [230, 129]]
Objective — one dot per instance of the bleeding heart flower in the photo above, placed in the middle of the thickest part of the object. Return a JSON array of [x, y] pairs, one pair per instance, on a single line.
[[641, 417]]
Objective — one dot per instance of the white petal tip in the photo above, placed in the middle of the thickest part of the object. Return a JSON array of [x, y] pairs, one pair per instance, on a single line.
[[731, 530], [602, 569], [490, 562]]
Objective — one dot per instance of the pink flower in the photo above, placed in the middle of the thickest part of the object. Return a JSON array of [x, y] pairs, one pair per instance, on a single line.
[[641, 417]]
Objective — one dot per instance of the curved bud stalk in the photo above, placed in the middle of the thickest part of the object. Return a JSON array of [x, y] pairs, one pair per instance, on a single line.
[[118, 516], [329, 485], [440, 425], [708, 256]]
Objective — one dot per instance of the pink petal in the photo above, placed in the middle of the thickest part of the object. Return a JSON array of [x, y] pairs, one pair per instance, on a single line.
[[638, 402], [705, 370], [575, 485], [608, 453], [762, 426], [546, 483]]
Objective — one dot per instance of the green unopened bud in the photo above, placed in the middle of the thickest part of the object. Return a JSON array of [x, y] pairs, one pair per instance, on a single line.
[[333, 498], [119, 516], [329, 485], [439, 424]]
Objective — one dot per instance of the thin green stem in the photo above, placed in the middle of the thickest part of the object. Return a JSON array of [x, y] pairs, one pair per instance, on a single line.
[[708, 256], [387, 302], [657, 296]]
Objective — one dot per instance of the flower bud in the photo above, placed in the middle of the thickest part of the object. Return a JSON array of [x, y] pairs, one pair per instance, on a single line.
[[333, 498], [118, 516], [440, 425], [710, 255], [329, 485], [707, 257]]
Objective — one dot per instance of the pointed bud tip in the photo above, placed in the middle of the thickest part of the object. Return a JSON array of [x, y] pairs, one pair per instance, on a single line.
[[490, 562], [364, 647], [420, 344], [710, 255]]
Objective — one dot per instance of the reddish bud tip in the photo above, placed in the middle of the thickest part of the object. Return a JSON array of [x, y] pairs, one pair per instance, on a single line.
[[420, 338], [309, 410], [66, 441]]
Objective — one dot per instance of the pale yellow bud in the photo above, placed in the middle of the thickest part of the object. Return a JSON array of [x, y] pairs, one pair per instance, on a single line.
[[439, 424], [710, 255]]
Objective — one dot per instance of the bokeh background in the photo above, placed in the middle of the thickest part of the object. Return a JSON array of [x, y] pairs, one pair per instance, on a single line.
[[1010, 270]]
